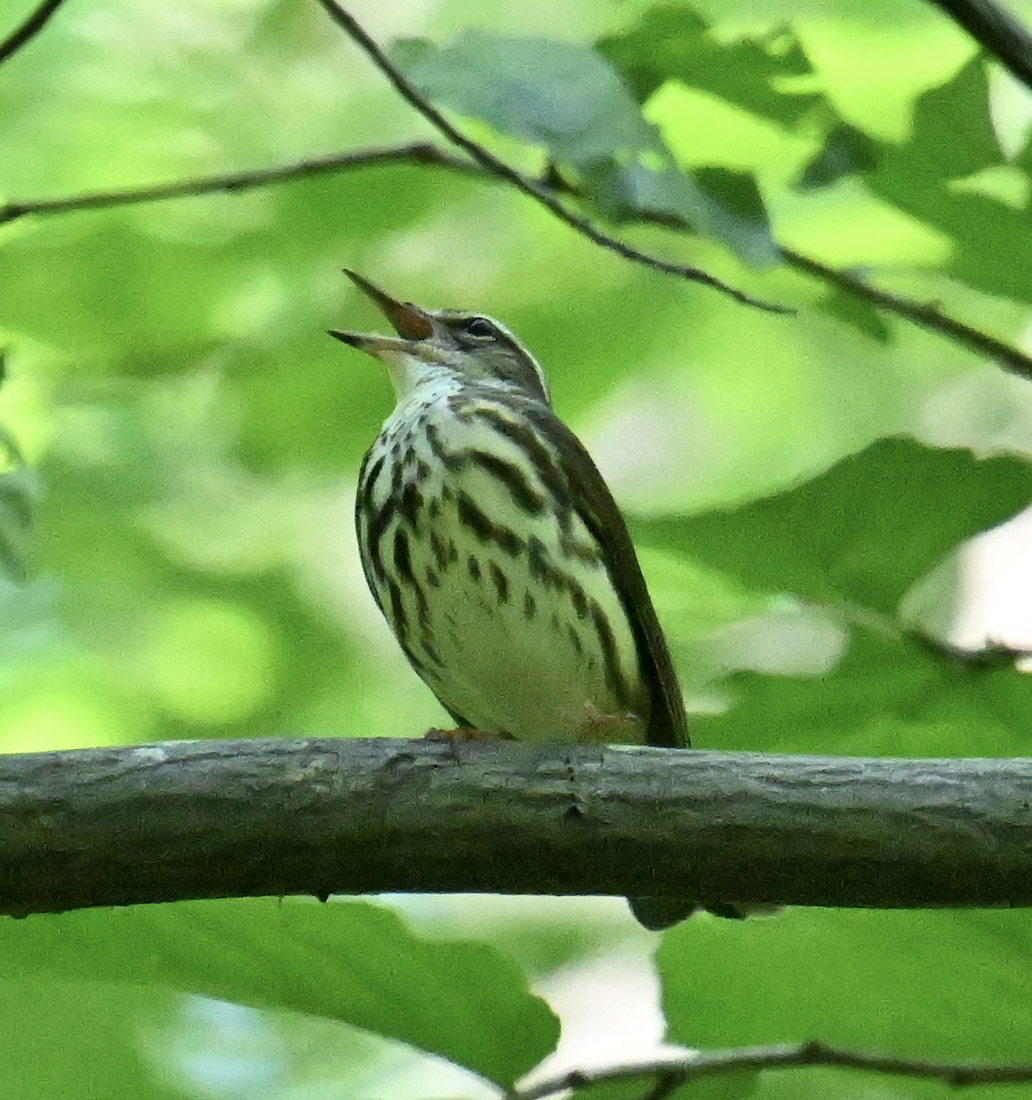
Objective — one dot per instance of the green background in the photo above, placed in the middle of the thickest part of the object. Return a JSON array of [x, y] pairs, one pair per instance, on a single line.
[[800, 487]]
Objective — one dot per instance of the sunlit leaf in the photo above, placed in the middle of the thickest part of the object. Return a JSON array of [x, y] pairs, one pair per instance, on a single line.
[[676, 43], [79, 1039], [954, 137]]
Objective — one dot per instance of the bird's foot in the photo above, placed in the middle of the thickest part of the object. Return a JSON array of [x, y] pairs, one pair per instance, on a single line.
[[617, 729], [460, 733]]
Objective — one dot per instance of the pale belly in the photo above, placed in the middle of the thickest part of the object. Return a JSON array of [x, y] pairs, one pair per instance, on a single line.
[[505, 611], [513, 657]]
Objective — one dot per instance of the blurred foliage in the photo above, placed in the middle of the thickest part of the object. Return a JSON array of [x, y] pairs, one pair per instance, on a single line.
[[177, 541], [871, 981], [465, 1000]]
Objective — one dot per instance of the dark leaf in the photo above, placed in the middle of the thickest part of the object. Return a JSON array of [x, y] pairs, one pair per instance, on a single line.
[[890, 695], [856, 313], [953, 134], [953, 139], [862, 532], [846, 151], [675, 43]]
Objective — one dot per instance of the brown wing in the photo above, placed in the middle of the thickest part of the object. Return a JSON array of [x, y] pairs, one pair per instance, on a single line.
[[668, 724]]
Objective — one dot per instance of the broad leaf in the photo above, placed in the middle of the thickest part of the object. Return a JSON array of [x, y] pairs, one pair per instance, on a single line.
[[953, 134], [353, 962], [856, 313], [869, 981], [676, 43], [568, 100], [81, 1040], [954, 138], [887, 696], [864, 531], [555, 94]]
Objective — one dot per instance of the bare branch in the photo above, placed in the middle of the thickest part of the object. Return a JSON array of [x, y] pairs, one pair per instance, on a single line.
[[181, 820], [670, 1074], [416, 153], [496, 167], [23, 35], [997, 31], [929, 317]]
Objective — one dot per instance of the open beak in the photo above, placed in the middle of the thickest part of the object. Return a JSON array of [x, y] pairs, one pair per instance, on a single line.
[[408, 320]]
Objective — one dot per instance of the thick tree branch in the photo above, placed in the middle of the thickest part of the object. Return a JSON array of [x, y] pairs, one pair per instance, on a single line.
[[929, 317], [670, 1074], [247, 818]]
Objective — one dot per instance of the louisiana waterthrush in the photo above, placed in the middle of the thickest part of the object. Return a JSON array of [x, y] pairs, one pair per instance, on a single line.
[[497, 554]]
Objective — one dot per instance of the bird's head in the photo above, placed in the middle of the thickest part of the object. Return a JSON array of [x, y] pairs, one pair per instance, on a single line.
[[471, 346]]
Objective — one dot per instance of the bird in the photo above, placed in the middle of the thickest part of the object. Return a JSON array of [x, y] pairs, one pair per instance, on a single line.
[[498, 556]]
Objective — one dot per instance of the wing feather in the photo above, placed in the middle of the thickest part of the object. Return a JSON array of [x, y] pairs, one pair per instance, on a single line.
[[668, 723]]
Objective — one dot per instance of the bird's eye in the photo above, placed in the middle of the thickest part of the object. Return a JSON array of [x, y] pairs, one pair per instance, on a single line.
[[478, 326]]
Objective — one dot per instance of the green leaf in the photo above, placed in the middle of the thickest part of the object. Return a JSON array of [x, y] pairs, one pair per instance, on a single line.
[[1023, 160], [856, 313], [567, 99], [625, 191], [736, 191], [887, 696], [944, 985], [556, 94], [846, 151], [676, 43], [953, 134], [864, 531], [953, 138], [17, 489], [993, 251], [63, 1040], [353, 962]]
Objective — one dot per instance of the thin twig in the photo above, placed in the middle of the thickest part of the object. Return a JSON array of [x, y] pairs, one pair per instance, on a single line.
[[496, 167], [996, 30], [927, 316], [417, 153], [672, 1073], [21, 36], [422, 153]]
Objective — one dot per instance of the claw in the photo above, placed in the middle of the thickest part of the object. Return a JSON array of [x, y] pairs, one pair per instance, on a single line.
[[616, 729], [460, 733]]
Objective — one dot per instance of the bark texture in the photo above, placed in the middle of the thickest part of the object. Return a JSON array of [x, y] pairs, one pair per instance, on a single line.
[[182, 820]]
